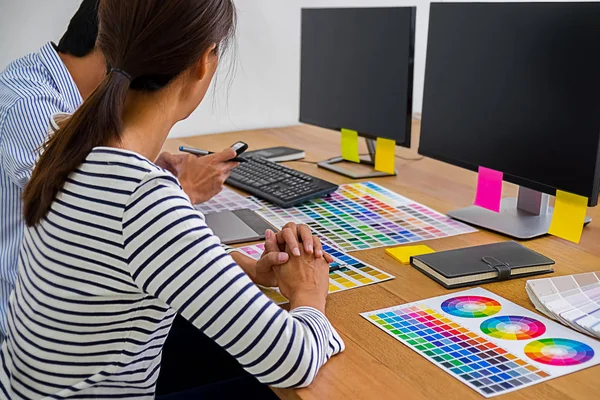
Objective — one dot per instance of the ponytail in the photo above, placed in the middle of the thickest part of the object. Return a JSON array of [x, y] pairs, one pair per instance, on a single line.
[[154, 41], [97, 122]]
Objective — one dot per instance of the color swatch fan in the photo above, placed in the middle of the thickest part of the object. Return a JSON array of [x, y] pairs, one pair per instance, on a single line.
[[572, 300], [346, 272], [485, 341], [365, 215]]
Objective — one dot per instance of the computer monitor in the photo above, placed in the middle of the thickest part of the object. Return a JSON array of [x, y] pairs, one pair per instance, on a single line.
[[515, 87], [357, 73]]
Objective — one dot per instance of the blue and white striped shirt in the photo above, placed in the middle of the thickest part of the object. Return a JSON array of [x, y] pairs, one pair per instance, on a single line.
[[102, 275], [32, 90]]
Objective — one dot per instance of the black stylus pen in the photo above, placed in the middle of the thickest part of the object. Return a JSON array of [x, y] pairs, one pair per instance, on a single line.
[[199, 152]]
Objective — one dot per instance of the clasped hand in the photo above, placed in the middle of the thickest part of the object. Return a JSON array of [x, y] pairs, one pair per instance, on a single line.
[[292, 241]]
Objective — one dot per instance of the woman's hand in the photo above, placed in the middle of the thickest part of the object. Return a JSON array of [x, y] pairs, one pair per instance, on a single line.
[[275, 254], [292, 235], [304, 280], [270, 258]]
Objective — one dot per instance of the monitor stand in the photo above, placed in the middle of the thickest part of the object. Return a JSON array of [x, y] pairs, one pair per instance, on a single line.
[[332, 165], [525, 217]]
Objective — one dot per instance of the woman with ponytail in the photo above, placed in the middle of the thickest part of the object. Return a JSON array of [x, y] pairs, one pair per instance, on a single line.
[[114, 249]]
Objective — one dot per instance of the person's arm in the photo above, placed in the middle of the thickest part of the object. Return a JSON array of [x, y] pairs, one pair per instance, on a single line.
[[173, 256], [201, 178], [22, 133], [295, 238]]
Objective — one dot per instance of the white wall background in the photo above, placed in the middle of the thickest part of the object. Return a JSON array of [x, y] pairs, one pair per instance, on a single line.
[[265, 89]]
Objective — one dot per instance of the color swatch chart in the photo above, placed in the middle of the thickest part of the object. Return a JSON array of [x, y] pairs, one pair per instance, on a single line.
[[572, 300], [346, 272], [365, 215], [227, 200], [487, 342]]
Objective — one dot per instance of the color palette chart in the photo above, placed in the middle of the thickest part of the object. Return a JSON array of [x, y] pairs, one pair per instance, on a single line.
[[487, 342], [572, 300], [227, 200], [365, 215], [346, 272]]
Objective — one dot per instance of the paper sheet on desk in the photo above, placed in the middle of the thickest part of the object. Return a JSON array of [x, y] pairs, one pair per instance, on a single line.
[[227, 200]]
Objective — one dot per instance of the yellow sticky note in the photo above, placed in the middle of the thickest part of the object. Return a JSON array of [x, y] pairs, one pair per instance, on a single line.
[[350, 145], [385, 156], [404, 253], [569, 216]]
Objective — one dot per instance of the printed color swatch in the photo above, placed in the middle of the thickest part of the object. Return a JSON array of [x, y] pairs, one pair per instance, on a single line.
[[510, 327], [479, 363], [365, 215], [471, 306], [559, 352], [227, 200], [493, 355], [346, 272]]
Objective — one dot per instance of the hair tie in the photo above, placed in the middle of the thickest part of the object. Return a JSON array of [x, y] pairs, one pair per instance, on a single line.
[[121, 72]]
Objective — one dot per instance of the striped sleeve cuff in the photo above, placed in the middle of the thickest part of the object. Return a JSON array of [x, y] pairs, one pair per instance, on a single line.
[[229, 249], [329, 342], [335, 342]]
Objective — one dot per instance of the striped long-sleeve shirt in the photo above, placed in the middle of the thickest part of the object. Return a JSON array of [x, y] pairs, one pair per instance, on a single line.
[[32, 89], [102, 276]]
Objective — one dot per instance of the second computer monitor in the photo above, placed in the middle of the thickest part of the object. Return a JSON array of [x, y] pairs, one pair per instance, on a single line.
[[515, 87], [357, 70]]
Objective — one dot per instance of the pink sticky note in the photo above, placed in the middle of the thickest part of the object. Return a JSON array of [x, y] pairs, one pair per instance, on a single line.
[[489, 189]]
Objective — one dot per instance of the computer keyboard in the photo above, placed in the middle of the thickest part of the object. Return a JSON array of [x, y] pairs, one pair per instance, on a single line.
[[280, 185]]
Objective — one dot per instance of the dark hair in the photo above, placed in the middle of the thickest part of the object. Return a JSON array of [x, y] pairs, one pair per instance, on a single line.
[[80, 38], [152, 41]]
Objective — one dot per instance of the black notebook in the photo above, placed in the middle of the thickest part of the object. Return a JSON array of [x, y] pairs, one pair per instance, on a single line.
[[277, 154], [482, 264]]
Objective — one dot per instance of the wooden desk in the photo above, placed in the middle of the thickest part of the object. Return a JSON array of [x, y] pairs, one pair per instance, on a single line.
[[374, 365]]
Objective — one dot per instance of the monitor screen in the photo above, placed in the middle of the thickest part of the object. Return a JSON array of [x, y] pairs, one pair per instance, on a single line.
[[357, 70], [515, 87]]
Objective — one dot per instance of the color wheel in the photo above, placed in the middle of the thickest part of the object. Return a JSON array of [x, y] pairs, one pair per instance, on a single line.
[[559, 352], [471, 306], [509, 327]]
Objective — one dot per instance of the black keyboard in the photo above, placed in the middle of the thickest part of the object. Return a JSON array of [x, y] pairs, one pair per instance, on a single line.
[[280, 185]]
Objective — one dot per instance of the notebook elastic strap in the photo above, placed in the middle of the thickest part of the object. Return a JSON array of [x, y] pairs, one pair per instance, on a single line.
[[502, 267]]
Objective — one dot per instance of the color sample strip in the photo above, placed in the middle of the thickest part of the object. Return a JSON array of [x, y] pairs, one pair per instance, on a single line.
[[572, 300], [489, 189], [227, 200], [365, 215], [569, 216], [346, 272], [483, 366]]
